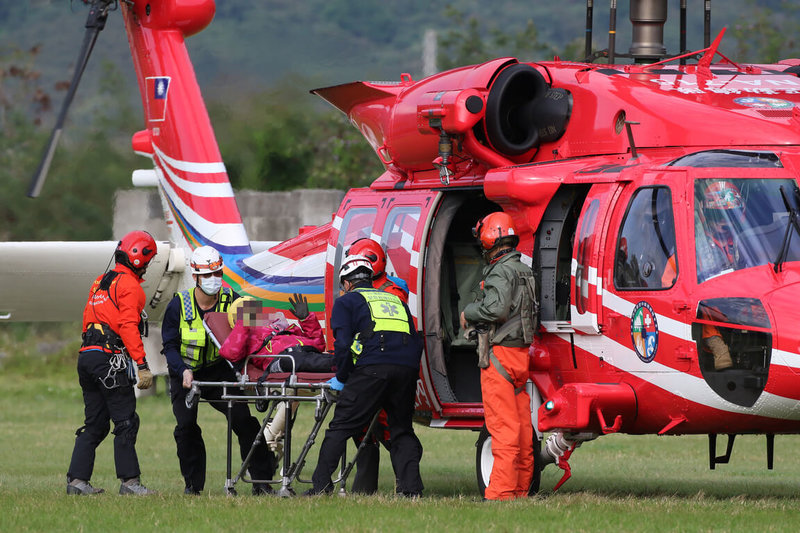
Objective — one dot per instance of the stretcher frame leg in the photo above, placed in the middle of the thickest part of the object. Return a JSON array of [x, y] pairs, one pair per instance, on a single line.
[[291, 470], [230, 489]]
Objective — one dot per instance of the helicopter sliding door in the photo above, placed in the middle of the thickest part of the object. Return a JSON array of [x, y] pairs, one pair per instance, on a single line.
[[395, 219], [453, 267]]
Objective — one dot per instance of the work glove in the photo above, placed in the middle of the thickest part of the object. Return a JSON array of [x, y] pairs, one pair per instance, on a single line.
[[145, 376], [335, 384], [299, 306]]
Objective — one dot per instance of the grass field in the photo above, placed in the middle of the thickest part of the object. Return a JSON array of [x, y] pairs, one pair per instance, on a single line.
[[621, 483]]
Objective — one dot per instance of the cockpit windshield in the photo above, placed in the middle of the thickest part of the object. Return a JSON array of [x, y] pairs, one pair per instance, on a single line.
[[741, 223]]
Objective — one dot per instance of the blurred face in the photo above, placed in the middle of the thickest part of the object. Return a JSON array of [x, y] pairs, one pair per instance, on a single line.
[[345, 286], [251, 314]]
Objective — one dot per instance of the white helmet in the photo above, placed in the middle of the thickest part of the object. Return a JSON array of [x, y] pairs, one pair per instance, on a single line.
[[205, 260], [355, 267]]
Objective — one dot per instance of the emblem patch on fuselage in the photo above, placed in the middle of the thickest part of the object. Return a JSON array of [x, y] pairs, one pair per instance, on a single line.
[[644, 331], [760, 102]]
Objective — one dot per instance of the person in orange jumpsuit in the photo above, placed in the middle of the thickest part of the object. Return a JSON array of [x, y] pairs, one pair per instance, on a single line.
[[506, 404], [720, 206], [112, 325]]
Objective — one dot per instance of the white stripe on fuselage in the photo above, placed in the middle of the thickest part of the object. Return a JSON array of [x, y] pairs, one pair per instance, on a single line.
[[681, 384], [229, 234], [666, 325], [204, 190], [188, 166], [683, 331]]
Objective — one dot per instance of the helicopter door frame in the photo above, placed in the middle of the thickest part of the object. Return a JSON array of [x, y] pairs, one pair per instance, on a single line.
[[386, 217], [586, 282]]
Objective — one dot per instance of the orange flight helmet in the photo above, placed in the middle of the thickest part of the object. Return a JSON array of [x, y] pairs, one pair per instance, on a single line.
[[495, 229]]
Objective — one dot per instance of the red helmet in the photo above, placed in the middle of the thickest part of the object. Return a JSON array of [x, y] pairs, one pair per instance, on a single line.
[[495, 229], [722, 195], [372, 251], [137, 249]]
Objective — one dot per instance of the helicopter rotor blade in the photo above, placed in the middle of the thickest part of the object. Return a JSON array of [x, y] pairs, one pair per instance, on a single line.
[[95, 22]]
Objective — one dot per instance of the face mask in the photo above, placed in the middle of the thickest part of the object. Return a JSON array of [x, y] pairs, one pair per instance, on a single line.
[[211, 285]]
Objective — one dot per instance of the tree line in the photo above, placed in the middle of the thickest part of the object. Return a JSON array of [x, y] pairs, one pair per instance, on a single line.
[[269, 140]]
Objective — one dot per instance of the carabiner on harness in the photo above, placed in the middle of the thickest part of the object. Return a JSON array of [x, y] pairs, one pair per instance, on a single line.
[[117, 363]]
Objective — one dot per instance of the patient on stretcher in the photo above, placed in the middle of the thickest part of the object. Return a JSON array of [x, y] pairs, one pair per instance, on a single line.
[[257, 332]]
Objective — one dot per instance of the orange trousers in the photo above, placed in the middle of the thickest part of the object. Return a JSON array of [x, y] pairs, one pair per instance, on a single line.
[[508, 419]]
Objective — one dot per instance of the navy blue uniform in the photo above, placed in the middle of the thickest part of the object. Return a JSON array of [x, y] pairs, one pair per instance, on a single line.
[[187, 433], [383, 377]]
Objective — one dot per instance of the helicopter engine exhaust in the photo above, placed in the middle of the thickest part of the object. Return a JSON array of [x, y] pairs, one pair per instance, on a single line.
[[648, 18], [504, 110]]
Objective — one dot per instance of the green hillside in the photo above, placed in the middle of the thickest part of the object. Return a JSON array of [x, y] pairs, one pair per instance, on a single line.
[[257, 62], [253, 44]]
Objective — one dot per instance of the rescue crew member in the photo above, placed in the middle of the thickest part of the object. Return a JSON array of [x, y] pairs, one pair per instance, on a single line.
[[112, 328], [377, 351], [373, 251], [365, 480], [507, 302], [192, 355]]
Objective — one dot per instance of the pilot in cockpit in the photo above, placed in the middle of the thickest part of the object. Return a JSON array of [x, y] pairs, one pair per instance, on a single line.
[[717, 214], [717, 252]]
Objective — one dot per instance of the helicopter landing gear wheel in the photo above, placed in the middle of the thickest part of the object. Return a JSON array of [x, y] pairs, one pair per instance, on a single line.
[[484, 462]]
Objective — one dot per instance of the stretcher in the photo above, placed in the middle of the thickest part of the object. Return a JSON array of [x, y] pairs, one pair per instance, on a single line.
[[270, 393]]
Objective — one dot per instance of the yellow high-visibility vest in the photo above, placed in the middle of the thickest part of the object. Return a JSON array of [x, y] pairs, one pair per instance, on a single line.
[[193, 334], [387, 313]]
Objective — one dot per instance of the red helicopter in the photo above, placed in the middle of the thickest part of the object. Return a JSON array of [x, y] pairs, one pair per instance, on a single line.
[[656, 201]]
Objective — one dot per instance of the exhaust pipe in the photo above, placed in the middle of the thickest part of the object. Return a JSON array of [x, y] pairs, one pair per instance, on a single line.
[[647, 19]]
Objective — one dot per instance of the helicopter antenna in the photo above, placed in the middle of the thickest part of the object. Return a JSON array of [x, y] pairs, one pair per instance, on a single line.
[[612, 31], [589, 16], [647, 37], [632, 143], [95, 22], [683, 32]]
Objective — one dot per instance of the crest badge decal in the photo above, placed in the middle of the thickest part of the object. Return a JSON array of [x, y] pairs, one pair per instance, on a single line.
[[644, 331]]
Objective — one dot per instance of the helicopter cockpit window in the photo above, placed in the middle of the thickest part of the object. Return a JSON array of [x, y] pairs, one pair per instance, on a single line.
[[585, 244], [646, 245], [729, 159], [741, 223], [357, 223], [398, 237]]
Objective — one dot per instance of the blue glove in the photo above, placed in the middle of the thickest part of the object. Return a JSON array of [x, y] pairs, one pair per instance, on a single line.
[[335, 383], [399, 282]]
